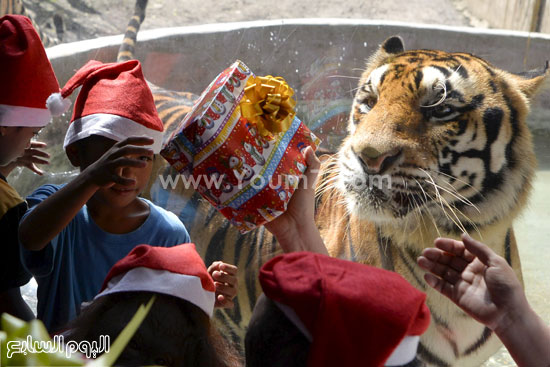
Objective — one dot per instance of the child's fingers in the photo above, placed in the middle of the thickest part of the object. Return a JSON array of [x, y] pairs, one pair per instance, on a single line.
[[432, 254], [313, 166], [132, 150], [222, 302], [449, 245], [425, 263], [439, 285], [223, 277], [482, 251], [228, 268], [227, 290], [214, 266], [36, 152], [38, 144], [453, 247], [128, 162], [35, 169], [27, 161], [122, 181], [135, 140], [437, 255], [441, 270]]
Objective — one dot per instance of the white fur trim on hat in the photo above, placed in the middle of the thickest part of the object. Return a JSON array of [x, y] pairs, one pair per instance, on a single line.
[[110, 126], [24, 116], [144, 279], [57, 104], [405, 351]]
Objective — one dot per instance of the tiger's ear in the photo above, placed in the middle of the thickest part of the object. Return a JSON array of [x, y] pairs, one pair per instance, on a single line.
[[530, 81], [393, 45], [390, 47]]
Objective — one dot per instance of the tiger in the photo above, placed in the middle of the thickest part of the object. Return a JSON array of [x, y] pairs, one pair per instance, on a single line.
[[17, 7], [437, 145]]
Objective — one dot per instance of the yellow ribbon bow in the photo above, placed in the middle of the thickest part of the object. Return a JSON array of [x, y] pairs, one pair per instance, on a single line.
[[268, 103]]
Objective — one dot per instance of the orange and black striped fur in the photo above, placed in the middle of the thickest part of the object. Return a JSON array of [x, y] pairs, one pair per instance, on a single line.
[[438, 145], [215, 238], [17, 7]]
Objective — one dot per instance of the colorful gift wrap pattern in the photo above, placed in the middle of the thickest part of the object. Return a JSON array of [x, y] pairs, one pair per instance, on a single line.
[[248, 176]]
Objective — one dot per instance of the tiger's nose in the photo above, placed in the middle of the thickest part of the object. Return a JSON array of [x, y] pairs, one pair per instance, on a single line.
[[375, 161]]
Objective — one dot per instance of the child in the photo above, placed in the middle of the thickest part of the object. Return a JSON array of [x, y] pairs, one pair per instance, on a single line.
[[177, 331], [482, 283], [74, 234], [26, 79]]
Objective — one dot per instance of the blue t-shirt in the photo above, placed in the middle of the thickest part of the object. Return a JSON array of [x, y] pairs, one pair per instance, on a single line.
[[71, 268]]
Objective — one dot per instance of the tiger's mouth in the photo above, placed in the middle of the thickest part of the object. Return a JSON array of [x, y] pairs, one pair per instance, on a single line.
[[395, 202]]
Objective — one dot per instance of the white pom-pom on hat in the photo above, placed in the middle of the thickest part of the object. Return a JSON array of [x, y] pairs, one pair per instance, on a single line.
[[57, 105]]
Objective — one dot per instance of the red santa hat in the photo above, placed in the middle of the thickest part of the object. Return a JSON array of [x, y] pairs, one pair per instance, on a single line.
[[115, 102], [26, 76], [354, 315], [176, 271]]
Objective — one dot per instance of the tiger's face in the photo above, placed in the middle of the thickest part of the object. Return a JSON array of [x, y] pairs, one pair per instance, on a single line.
[[437, 135]]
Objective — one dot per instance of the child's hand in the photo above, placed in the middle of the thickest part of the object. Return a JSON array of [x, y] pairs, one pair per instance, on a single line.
[[475, 278], [225, 280], [301, 207], [32, 156], [107, 170], [295, 229]]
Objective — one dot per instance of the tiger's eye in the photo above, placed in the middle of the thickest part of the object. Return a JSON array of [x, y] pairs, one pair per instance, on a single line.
[[370, 102], [442, 111]]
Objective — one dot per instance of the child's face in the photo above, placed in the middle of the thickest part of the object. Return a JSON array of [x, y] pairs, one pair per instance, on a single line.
[[89, 150], [14, 140]]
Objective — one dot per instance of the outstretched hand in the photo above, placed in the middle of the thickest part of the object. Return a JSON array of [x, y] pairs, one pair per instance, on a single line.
[[474, 277], [226, 282]]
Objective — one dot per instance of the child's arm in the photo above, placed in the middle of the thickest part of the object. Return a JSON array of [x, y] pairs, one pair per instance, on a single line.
[[483, 284], [32, 156], [49, 217], [295, 229]]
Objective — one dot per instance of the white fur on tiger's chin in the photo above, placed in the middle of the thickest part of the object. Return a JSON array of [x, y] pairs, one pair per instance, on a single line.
[[57, 105]]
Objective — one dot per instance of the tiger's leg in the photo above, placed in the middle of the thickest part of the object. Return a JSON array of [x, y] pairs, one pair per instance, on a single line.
[[511, 254]]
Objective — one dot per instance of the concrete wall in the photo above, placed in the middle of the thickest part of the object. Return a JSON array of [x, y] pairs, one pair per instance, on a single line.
[[510, 14]]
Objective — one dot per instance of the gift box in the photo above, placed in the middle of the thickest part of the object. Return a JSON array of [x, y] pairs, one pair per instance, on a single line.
[[241, 146]]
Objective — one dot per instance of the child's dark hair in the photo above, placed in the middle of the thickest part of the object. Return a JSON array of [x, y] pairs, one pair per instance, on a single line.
[[175, 332], [272, 340]]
